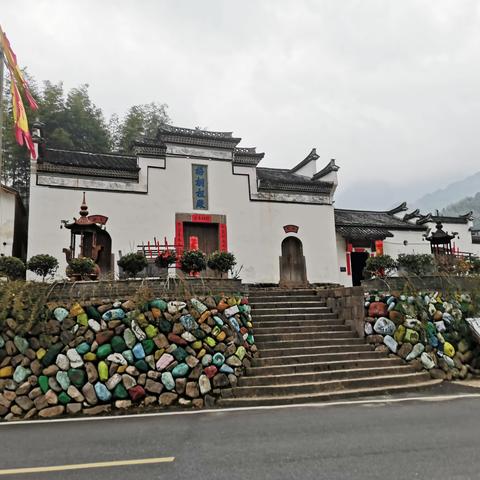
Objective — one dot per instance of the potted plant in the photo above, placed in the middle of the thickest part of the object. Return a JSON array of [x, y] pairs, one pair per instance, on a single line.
[[221, 262], [82, 268], [165, 259], [43, 265], [133, 263], [193, 262], [12, 267]]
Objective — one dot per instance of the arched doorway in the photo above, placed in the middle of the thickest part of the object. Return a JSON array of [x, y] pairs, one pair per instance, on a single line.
[[293, 271]]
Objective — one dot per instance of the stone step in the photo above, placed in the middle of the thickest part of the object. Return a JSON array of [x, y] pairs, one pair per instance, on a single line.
[[283, 298], [325, 386], [300, 304], [321, 366], [254, 293], [262, 339], [325, 376], [261, 312], [291, 399], [293, 316], [343, 338], [340, 353], [327, 327], [297, 323]]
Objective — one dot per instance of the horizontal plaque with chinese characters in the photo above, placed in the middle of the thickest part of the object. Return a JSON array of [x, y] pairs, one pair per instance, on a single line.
[[200, 187]]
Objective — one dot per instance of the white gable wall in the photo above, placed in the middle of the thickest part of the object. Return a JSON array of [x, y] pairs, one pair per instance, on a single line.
[[7, 222]]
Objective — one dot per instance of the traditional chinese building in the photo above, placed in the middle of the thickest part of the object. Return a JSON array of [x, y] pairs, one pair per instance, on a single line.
[[13, 223]]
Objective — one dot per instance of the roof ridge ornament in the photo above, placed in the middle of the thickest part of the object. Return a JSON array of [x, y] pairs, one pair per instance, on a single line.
[[311, 157], [330, 167], [401, 208]]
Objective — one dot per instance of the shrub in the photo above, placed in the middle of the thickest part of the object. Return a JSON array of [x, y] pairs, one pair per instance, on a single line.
[[133, 263], [416, 264], [43, 265], [380, 266], [221, 261], [82, 266], [193, 261], [165, 259], [12, 267]]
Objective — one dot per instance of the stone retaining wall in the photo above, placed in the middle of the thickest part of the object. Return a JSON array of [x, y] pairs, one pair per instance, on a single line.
[[440, 283], [93, 357]]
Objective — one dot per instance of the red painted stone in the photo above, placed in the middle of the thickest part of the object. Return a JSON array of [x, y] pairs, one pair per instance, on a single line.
[[243, 330], [377, 309], [211, 371], [136, 393], [177, 339], [104, 337], [244, 301]]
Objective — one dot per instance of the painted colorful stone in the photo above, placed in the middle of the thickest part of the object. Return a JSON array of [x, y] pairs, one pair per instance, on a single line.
[[168, 381], [60, 314], [180, 371]]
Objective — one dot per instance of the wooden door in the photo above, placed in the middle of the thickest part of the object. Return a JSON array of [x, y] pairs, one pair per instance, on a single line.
[[208, 240], [293, 271]]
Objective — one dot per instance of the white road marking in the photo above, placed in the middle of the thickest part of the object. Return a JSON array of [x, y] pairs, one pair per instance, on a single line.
[[386, 401]]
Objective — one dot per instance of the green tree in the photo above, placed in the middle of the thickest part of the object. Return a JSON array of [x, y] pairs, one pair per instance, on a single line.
[[141, 121]]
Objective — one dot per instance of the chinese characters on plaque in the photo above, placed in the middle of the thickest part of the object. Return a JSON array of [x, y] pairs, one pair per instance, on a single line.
[[200, 187]]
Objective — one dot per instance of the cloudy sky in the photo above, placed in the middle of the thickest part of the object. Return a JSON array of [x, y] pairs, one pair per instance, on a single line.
[[388, 88]]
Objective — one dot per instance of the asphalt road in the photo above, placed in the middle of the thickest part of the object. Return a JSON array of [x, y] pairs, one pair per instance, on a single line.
[[424, 440]]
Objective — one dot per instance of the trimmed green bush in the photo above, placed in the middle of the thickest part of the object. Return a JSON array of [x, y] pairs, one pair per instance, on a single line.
[[82, 266], [12, 267], [380, 266], [133, 263], [43, 265], [193, 261], [221, 261], [416, 263]]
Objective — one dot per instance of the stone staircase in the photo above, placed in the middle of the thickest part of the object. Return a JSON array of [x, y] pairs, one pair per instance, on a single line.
[[308, 355]]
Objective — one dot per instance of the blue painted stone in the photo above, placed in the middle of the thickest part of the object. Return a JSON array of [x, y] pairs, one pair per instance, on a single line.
[[83, 348], [102, 392], [218, 359], [188, 322], [218, 321], [180, 371], [63, 379], [158, 303], [60, 314], [168, 381], [234, 323], [114, 314], [226, 368], [198, 306], [128, 356], [138, 351]]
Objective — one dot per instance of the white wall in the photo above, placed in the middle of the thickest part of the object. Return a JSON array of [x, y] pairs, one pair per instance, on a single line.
[[394, 246], [255, 229], [7, 221]]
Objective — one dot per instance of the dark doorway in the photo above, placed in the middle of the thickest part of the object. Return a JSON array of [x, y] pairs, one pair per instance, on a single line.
[[293, 271], [359, 260]]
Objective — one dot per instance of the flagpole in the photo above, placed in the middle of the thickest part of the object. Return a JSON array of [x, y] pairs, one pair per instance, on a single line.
[[2, 116]]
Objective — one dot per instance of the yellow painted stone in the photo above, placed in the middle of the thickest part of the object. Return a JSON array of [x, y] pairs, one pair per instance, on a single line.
[[201, 353], [141, 320], [156, 312], [90, 357], [204, 316], [40, 353], [249, 324], [76, 310], [197, 345], [6, 372], [231, 301], [221, 336], [121, 368], [159, 353]]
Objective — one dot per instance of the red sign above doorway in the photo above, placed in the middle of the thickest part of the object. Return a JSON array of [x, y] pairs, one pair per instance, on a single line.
[[290, 229], [199, 218]]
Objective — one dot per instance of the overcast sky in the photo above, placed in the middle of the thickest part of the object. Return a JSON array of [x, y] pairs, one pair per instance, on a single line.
[[389, 88]]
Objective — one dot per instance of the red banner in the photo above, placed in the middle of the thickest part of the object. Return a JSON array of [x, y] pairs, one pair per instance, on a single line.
[[222, 234], [199, 218]]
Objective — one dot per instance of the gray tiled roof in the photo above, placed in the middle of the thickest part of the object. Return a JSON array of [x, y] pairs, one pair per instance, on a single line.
[[364, 218], [283, 180], [363, 233]]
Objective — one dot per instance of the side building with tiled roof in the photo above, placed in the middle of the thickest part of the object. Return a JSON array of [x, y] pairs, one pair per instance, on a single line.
[[184, 186]]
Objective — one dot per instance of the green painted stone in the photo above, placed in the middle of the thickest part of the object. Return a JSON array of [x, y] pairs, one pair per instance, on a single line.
[[82, 319], [20, 374], [411, 336], [218, 321], [92, 312], [165, 326], [103, 371], [216, 331], [218, 359], [250, 339], [62, 379], [120, 392], [43, 383], [64, 398], [241, 352], [83, 348], [103, 351], [142, 365], [210, 341], [151, 331], [77, 376], [179, 354], [51, 354], [128, 356], [180, 371], [21, 344], [168, 381], [148, 346], [130, 338], [399, 334], [118, 344], [197, 345], [159, 303], [199, 333]]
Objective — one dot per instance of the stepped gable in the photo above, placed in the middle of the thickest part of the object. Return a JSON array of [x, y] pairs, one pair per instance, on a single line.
[[80, 163], [368, 224], [281, 179]]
